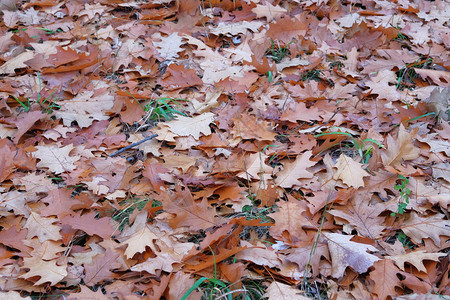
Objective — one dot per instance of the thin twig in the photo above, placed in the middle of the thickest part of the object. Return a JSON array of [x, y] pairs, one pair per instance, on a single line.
[[132, 145]]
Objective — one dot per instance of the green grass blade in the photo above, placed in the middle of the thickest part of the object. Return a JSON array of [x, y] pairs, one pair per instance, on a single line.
[[334, 133], [193, 287], [375, 142]]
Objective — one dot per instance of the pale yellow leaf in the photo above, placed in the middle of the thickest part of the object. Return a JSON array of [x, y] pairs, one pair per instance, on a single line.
[[281, 291], [401, 148], [350, 172], [42, 228], [56, 158], [48, 271], [185, 126]]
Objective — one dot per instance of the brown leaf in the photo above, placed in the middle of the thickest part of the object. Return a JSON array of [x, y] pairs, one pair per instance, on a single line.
[[292, 171], [288, 222], [385, 278], [418, 228], [363, 215], [100, 268], [281, 291], [285, 29], [90, 224], [188, 213]]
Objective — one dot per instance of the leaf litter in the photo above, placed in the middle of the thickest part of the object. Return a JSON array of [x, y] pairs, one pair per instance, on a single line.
[[286, 135]]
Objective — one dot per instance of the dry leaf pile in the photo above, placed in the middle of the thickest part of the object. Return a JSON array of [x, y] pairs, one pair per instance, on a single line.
[[308, 154]]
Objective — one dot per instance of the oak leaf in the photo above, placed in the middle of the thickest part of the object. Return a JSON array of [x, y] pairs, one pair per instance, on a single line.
[[101, 266], [350, 172], [185, 126], [292, 171], [281, 291], [288, 222], [87, 106], [401, 148], [268, 11], [42, 228], [169, 47], [139, 240], [196, 216], [361, 214], [90, 224], [418, 228], [56, 158], [415, 258], [48, 271], [385, 278], [285, 29], [302, 256], [345, 253], [162, 262]]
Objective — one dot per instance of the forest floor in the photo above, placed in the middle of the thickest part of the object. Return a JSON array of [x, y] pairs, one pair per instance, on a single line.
[[289, 149]]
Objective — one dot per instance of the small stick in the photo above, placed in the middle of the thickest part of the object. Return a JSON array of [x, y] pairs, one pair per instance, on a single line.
[[132, 145]]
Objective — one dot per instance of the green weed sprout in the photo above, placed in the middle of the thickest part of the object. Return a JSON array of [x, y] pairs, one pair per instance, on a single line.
[[160, 109], [51, 105], [404, 194]]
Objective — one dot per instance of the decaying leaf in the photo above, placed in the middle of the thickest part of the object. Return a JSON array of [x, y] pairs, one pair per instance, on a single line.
[[345, 253], [350, 171], [401, 148]]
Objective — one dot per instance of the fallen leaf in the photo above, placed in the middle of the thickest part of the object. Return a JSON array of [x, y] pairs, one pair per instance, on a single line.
[[350, 172], [42, 227], [418, 228], [281, 291], [401, 148], [292, 171], [415, 258], [385, 277], [185, 126], [345, 253], [48, 271], [56, 158]]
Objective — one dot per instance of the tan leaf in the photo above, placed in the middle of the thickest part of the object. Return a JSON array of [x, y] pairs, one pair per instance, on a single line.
[[292, 171], [42, 228], [235, 28], [169, 46], [401, 148], [141, 239], [281, 291], [87, 106], [350, 172], [268, 11], [16, 62], [345, 253], [418, 228], [162, 262], [260, 256], [48, 271], [56, 158], [185, 126], [415, 258]]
